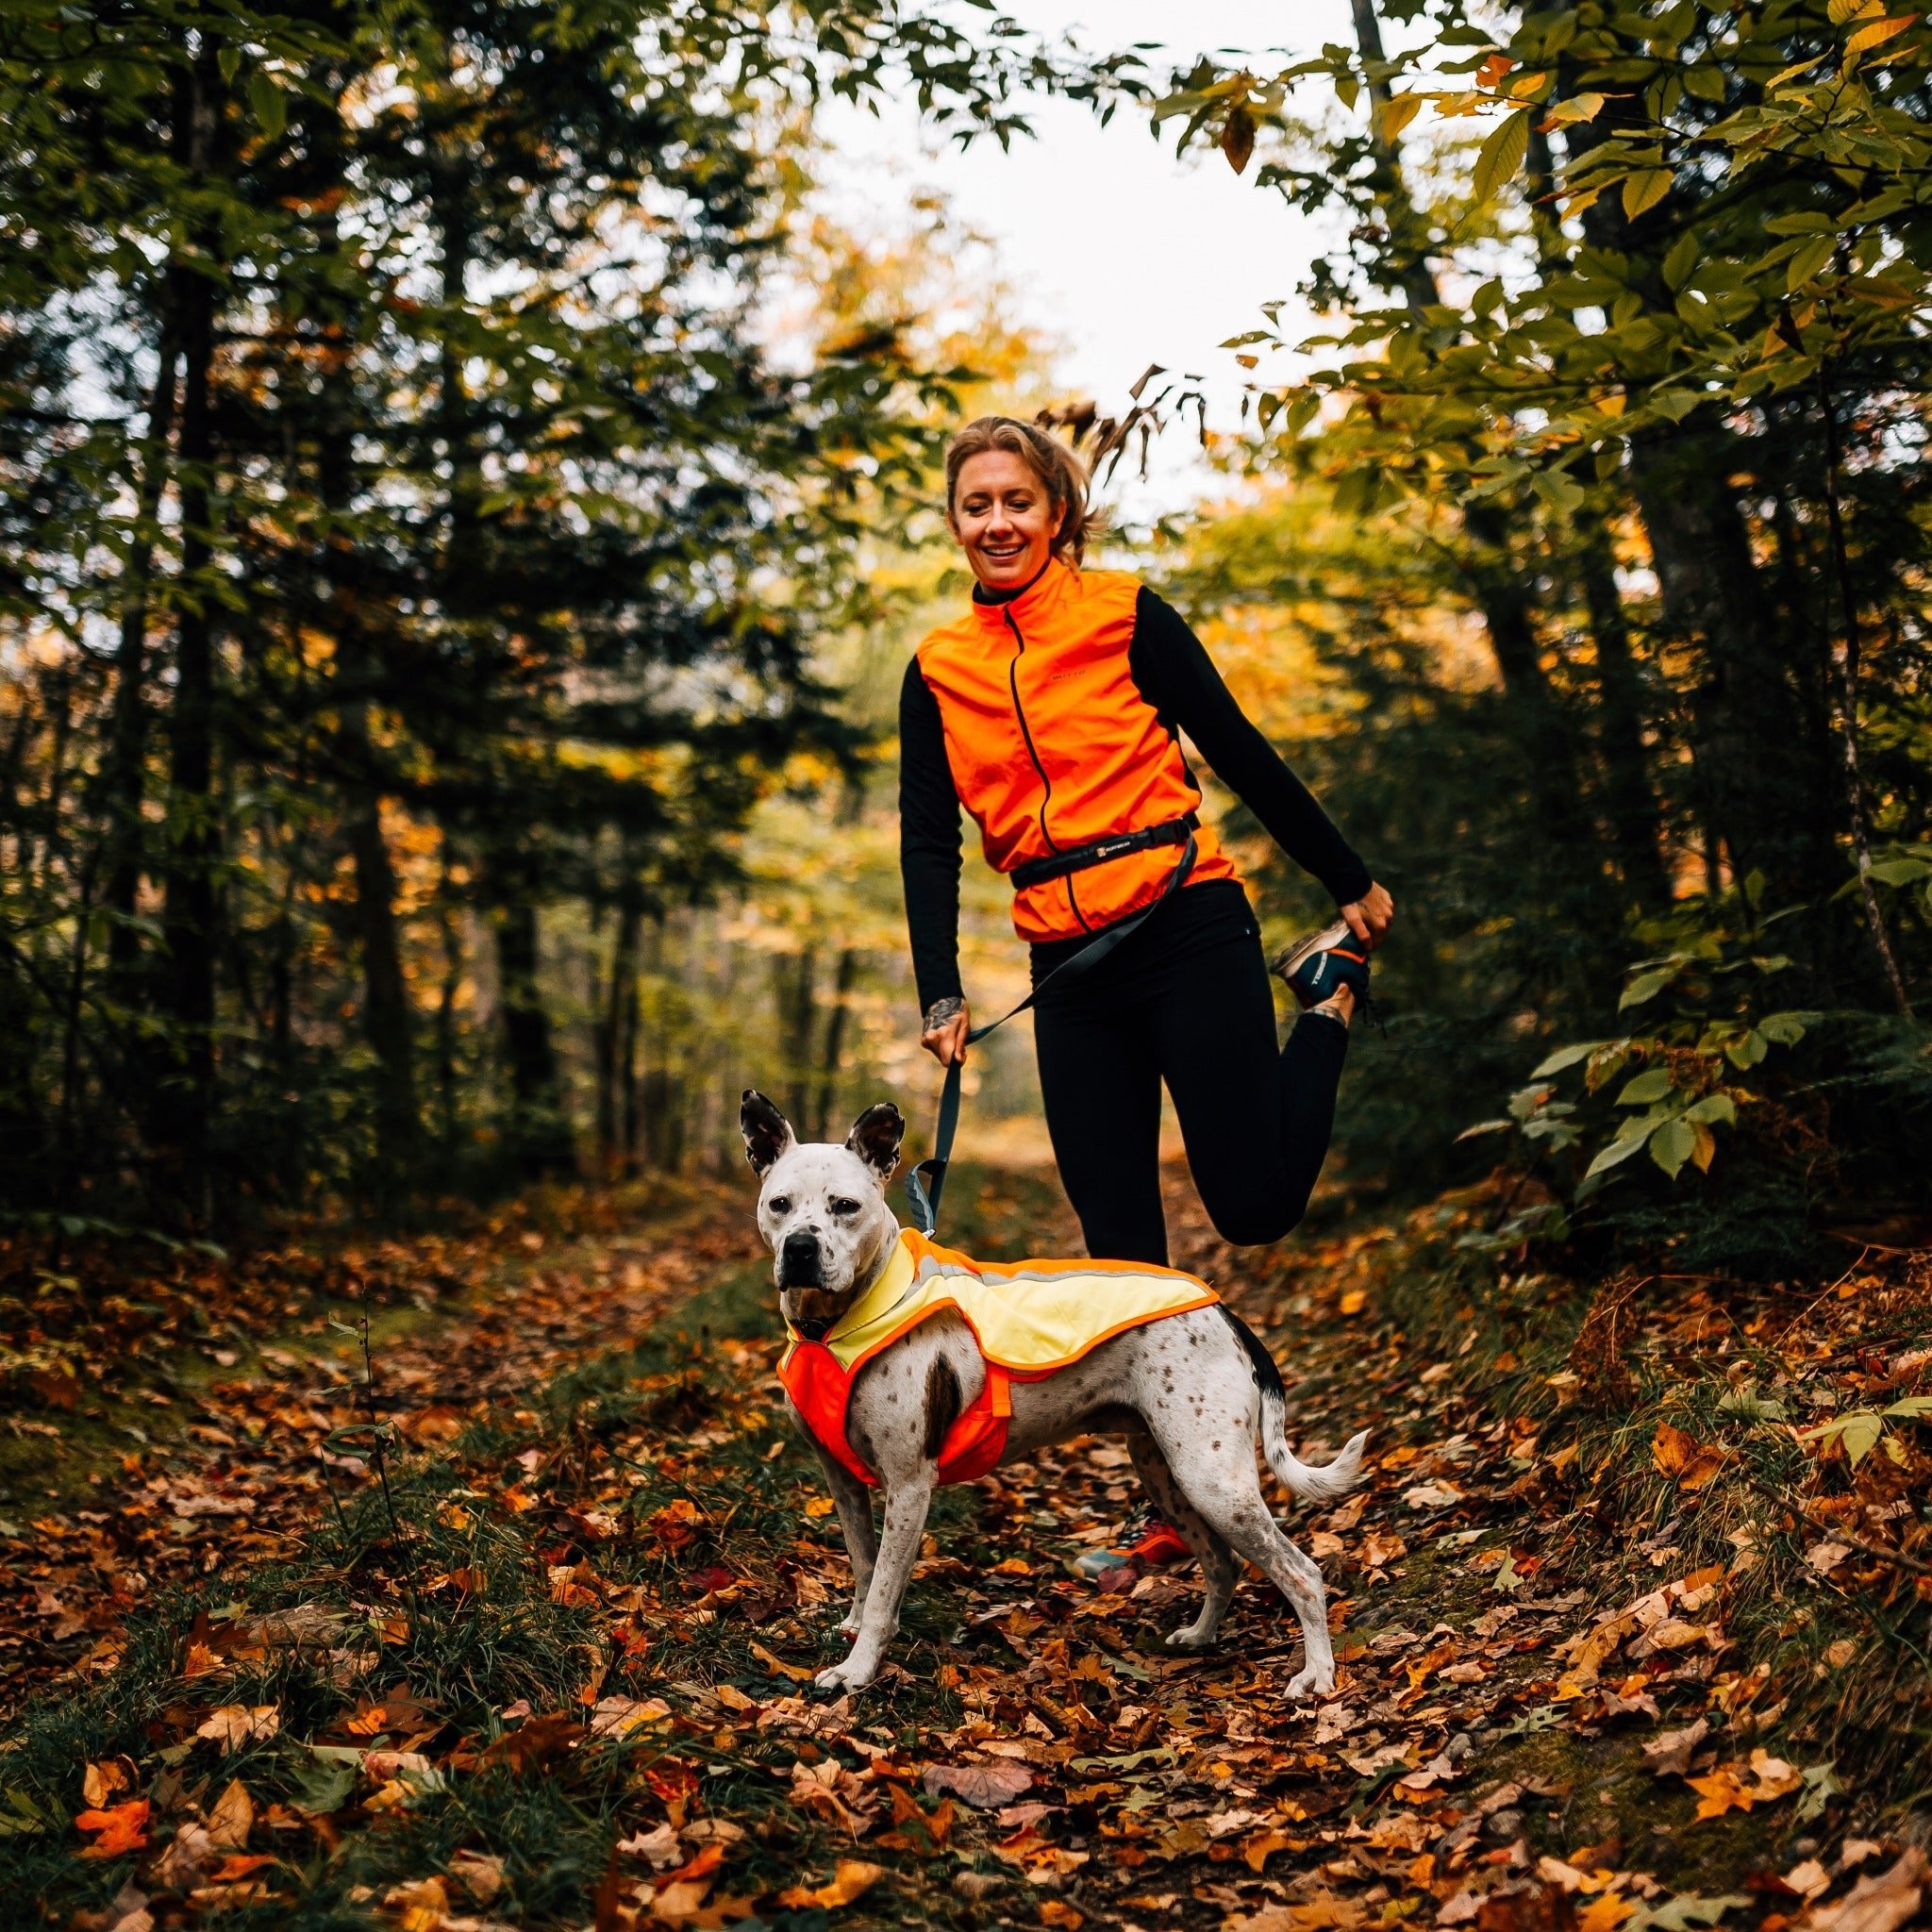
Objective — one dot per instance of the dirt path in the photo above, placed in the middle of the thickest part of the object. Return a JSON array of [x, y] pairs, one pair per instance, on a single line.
[[558, 1676]]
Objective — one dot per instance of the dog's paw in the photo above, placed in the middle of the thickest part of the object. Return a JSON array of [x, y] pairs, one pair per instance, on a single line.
[[1311, 1683], [842, 1677], [1190, 1636]]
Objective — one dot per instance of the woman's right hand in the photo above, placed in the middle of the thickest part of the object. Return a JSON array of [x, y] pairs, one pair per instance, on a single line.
[[944, 1029]]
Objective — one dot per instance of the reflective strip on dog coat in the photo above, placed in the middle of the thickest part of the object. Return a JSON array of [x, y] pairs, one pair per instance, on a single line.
[[1029, 1318]]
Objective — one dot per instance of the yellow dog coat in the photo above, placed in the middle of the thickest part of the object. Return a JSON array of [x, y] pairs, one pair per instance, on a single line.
[[1029, 1318]]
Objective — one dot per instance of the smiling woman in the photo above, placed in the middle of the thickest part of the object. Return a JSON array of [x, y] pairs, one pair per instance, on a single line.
[[1014, 499], [1052, 710]]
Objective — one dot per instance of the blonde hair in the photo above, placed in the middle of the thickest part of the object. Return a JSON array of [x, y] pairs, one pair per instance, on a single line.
[[1061, 474]]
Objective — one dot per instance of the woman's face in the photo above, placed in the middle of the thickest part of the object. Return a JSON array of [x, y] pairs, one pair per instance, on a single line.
[[1004, 519]]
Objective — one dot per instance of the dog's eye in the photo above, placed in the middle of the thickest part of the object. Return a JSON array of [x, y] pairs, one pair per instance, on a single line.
[[840, 1205], [779, 1203]]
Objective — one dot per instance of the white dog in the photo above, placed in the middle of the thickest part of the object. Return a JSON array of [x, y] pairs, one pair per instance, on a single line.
[[1188, 1389]]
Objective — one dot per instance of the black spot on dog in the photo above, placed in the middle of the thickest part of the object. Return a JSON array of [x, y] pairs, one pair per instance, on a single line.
[[941, 1405]]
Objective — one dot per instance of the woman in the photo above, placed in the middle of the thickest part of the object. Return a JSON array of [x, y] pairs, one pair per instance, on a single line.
[[1051, 711]]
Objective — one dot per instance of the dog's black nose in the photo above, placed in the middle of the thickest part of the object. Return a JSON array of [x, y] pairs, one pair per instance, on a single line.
[[798, 1260]]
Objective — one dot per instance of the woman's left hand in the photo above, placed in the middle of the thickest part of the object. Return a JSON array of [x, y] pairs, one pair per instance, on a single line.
[[1370, 917]]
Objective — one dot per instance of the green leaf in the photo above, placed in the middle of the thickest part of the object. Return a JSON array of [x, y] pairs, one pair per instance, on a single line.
[[1566, 1057], [1687, 1910], [1785, 1030], [1914, 1406], [1748, 1050], [1618, 1151], [1714, 1106], [1645, 190], [1682, 259], [1820, 1787], [1502, 154], [321, 1786], [271, 107], [1647, 1087], [1673, 1144], [1646, 986], [1860, 1435], [1807, 261], [1484, 1127]]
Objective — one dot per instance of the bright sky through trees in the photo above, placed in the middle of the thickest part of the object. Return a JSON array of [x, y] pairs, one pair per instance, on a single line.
[[1127, 254]]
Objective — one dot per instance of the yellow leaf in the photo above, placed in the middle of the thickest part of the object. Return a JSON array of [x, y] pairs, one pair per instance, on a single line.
[[1502, 154], [1645, 190], [1876, 34], [1398, 112], [851, 1877], [1605, 1912], [819, 1505]]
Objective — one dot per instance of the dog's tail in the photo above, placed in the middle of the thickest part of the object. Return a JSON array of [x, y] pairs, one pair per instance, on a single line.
[[1312, 1485]]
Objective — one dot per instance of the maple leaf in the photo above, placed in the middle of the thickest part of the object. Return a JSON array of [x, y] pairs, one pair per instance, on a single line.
[[984, 1787], [121, 1828], [236, 1725]]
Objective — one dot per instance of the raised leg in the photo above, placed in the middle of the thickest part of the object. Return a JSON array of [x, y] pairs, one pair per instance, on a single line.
[[1217, 1566], [907, 1504]]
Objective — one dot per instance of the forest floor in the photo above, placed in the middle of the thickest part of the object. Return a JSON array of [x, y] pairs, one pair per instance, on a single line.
[[512, 1623]]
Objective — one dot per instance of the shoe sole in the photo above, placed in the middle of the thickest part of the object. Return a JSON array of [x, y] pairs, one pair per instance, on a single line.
[[1285, 965]]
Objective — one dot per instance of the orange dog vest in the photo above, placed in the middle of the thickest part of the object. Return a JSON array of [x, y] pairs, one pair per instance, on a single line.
[[1052, 746], [1029, 1318]]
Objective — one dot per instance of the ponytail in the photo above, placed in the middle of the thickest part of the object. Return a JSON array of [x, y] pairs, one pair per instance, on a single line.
[[1060, 472]]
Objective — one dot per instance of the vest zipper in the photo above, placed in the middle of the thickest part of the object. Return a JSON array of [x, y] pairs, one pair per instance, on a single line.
[[1026, 735]]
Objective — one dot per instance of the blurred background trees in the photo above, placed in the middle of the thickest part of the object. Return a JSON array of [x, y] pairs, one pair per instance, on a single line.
[[466, 510], [1600, 513]]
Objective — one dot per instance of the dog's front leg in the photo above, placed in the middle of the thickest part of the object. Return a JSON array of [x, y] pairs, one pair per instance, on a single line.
[[853, 1501], [906, 1503]]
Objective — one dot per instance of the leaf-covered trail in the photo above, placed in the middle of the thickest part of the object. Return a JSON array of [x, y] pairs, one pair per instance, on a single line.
[[558, 1677]]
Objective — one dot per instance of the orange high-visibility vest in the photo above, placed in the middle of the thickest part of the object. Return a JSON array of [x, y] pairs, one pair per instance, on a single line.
[[1029, 1318], [1052, 746]]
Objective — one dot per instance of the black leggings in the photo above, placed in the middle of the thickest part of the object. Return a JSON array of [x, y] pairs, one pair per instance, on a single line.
[[1186, 1000]]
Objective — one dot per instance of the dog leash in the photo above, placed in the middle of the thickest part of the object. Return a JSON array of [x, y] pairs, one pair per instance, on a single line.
[[926, 1183]]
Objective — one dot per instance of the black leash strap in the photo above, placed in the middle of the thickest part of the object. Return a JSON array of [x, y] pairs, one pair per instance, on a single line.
[[926, 1183]]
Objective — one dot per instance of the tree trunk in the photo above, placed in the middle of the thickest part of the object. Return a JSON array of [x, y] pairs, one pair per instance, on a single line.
[[185, 1095], [1495, 576], [797, 1002], [616, 1041], [124, 775], [1633, 807], [387, 1016], [538, 1134], [846, 973], [1853, 774]]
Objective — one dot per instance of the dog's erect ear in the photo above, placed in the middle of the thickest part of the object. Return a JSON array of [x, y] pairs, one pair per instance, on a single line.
[[875, 1136], [768, 1135]]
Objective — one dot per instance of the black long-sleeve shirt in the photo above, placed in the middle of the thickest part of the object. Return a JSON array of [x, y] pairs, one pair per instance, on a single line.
[[1173, 671]]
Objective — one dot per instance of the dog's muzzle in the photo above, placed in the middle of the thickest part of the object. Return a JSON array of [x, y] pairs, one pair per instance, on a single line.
[[800, 1265]]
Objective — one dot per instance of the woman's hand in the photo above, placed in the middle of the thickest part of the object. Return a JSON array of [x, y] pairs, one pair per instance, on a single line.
[[1370, 917], [943, 1032]]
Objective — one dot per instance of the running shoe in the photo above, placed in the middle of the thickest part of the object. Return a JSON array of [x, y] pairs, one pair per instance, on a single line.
[[1318, 966], [1151, 1542]]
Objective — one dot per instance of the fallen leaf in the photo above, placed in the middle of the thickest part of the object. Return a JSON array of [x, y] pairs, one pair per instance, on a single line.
[[121, 1829], [850, 1879], [778, 1664], [103, 1781], [479, 1873], [232, 1819], [1670, 1756], [984, 1787], [1676, 1454], [236, 1725], [1875, 1905], [1825, 1558]]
